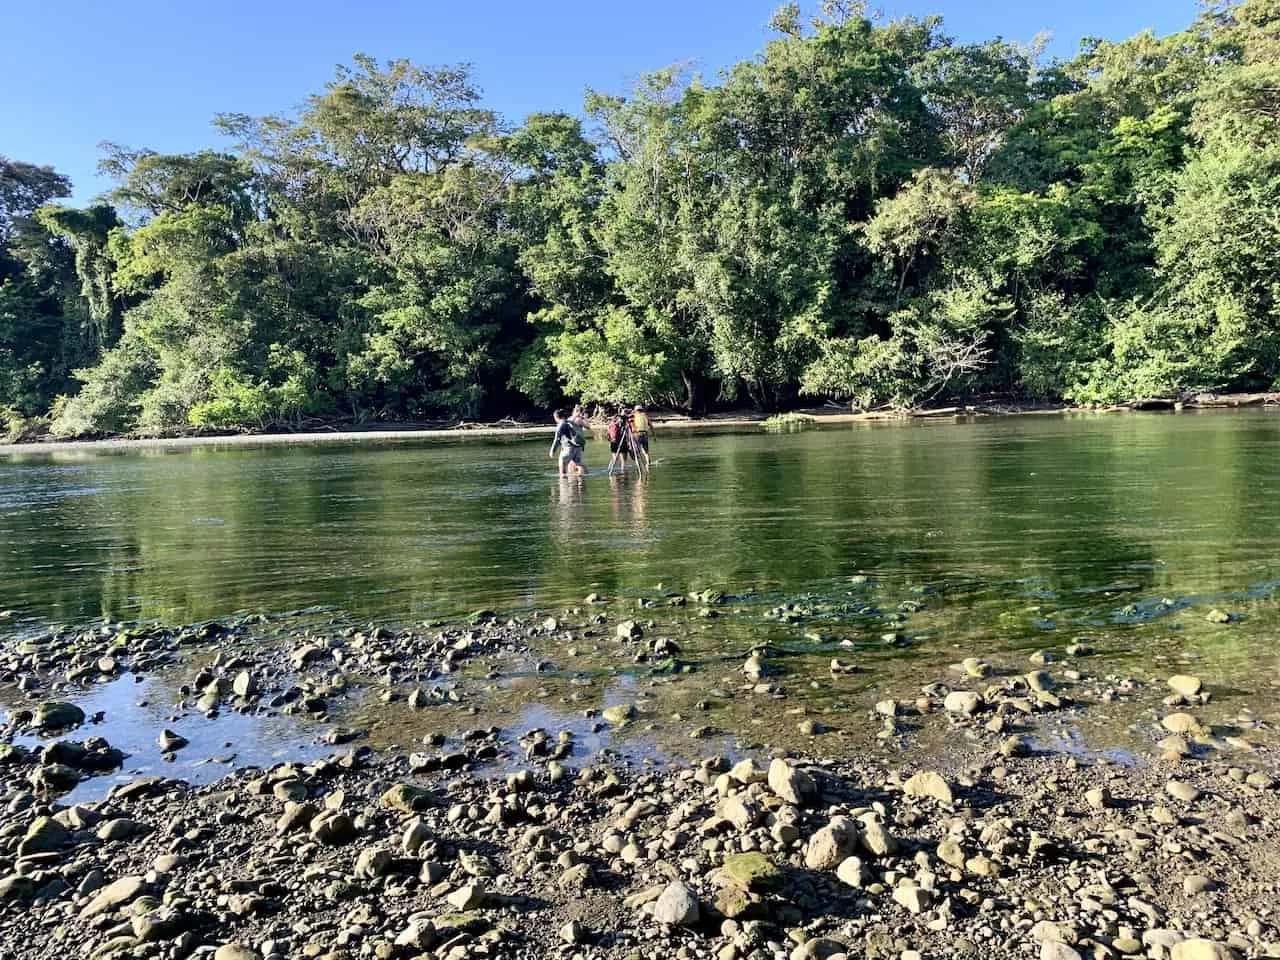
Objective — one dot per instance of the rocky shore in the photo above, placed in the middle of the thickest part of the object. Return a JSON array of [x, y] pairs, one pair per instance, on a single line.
[[493, 842]]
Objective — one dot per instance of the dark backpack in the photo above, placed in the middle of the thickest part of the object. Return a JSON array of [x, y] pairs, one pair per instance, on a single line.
[[615, 429]]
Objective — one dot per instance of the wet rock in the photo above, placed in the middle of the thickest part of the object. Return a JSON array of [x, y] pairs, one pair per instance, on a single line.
[[618, 714], [676, 906], [1174, 745], [1040, 681], [58, 715], [928, 783], [170, 741], [308, 653], [55, 777]]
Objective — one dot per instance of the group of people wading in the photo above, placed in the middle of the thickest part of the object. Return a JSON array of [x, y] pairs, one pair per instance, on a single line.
[[626, 428]]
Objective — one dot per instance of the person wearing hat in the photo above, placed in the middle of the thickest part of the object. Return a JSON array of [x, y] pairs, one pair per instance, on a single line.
[[640, 431]]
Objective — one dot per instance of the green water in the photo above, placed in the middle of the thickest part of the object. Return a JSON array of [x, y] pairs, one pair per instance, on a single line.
[[1041, 509], [991, 538]]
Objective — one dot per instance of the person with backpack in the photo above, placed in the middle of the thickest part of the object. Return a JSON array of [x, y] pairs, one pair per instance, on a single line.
[[616, 430], [640, 427]]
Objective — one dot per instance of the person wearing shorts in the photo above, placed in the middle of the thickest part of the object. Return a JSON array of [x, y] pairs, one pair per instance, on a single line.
[[568, 441]]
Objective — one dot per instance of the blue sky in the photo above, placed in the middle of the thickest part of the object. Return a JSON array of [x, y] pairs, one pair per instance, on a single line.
[[152, 73]]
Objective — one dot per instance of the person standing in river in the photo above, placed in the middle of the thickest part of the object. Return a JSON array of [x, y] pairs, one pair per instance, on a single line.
[[570, 442], [640, 434], [619, 439]]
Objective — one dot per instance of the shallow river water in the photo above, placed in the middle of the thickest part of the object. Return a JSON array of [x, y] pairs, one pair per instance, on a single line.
[[990, 537], [1168, 504]]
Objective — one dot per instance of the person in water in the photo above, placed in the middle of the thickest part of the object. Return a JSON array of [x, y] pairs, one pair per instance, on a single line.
[[570, 442], [640, 432], [618, 441]]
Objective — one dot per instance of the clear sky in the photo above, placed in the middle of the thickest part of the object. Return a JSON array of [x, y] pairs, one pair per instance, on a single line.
[[152, 73]]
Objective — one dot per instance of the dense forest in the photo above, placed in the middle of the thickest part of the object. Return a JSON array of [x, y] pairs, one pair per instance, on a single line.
[[867, 212]]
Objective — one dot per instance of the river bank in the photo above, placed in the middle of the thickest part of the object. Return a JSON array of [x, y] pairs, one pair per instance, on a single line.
[[397, 828], [732, 420]]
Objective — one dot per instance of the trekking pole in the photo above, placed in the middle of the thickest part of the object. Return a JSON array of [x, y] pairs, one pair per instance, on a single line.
[[636, 451]]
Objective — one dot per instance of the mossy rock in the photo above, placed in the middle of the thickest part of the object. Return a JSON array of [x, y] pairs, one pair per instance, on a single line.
[[58, 715], [752, 871]]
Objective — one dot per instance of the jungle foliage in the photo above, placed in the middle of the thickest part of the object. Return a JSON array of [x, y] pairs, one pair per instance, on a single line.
[[867, 211]]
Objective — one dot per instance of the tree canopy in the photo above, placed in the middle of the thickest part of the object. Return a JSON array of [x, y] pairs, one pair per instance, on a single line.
[[867, 211]]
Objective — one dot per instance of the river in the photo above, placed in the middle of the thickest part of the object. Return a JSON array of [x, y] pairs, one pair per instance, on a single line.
[[995, 537]]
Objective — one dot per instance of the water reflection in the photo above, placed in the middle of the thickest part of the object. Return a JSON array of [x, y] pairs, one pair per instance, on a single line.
[[1035, 508]]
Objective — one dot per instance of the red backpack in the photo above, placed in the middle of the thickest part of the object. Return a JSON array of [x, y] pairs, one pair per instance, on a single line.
[[615, 429]]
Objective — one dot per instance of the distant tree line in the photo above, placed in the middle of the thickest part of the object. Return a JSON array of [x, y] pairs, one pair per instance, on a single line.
[[867, 212]]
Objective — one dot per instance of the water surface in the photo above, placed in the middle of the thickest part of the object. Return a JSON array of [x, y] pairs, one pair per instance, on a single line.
[[991, 538], [1186, 505]]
